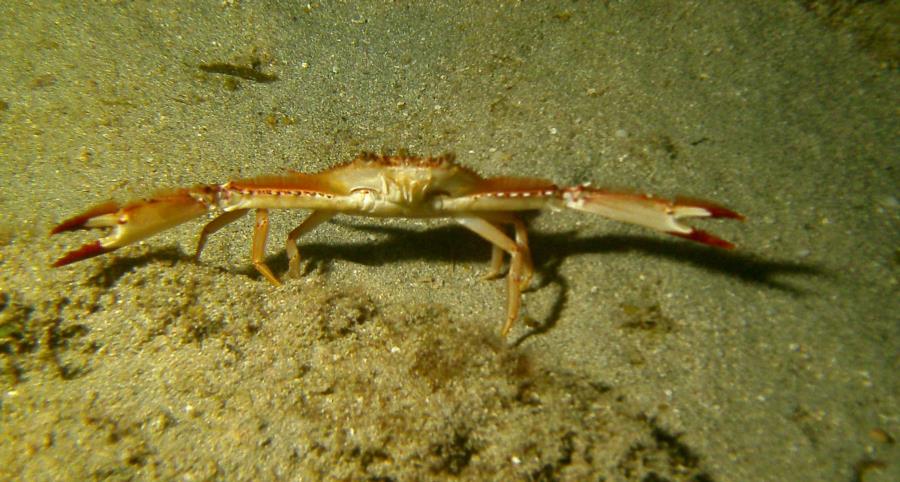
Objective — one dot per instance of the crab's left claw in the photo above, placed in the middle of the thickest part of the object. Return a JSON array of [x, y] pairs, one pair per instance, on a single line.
[[654, 213], [134, 221]]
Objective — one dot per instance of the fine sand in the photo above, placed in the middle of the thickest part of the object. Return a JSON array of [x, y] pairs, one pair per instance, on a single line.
[[645, 357]]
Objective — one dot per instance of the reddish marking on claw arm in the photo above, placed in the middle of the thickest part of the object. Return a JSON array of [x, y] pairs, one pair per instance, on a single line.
[[705, 238], [295, 182], [513, 184], [87, 251], [77, 222]]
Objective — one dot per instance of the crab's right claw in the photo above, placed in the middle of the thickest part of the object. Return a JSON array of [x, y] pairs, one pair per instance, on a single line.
[[100, 216], [651, 212], [133, 222], [695, 208]]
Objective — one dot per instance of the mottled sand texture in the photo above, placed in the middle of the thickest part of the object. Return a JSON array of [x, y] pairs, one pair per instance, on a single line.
[[645, 357]]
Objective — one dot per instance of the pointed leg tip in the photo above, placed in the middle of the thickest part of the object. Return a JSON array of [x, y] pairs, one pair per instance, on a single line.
[[274, 280], [507, 327], [525, 282], [294, 267]]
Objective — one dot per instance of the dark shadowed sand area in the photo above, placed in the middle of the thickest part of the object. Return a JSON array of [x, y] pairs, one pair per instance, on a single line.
[[645, 358]]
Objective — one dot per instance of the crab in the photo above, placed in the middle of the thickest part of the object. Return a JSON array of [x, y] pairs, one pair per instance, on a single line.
[[389, 186]]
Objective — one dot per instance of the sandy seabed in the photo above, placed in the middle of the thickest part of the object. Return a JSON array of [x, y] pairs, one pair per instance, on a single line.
[[645, 357]]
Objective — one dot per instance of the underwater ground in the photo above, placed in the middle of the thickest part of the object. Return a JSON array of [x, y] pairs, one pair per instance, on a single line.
[[645, 357]]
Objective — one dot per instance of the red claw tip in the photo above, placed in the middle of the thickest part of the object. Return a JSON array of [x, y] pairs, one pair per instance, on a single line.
[[705, 238], [715, 210], [721, 212], [87, 251], [79, 221]]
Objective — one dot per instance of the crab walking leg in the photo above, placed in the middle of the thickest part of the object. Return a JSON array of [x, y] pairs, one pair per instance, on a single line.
[[215, 225], [496, 263], [258, 252], [495, 235], [522, 242], [314, 219]]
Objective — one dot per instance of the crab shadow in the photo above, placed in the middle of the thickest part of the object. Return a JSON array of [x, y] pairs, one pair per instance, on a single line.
[[455, 244]]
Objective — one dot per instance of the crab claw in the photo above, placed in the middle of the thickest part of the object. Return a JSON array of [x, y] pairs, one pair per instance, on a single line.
[[654, 213], [134, 221]]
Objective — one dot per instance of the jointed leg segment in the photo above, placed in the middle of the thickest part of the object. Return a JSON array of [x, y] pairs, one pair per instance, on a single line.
[[518, 252], [314, 219], [260, 232], [522, 243], [215, 225], [258, 252]]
